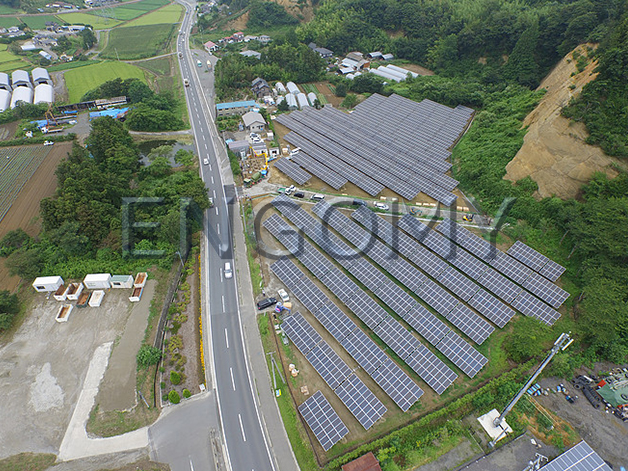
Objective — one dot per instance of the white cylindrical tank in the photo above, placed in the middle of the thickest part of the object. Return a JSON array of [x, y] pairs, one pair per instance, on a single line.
[[44, 93], [302, 99], [24, 94], [402, 70], [312, 98], [20, 77], [292, 88], [5, 100], [385, 75]]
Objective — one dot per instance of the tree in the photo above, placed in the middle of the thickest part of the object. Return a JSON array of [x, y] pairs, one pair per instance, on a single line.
[[184, 157], [263, 14], [9, 307], [107, 136], [88, 37], [25, 263], [13, 241], [521, 66], [341, 90], [283, 105], [350, 101], [527, 340], [148, 356], [160, 151]]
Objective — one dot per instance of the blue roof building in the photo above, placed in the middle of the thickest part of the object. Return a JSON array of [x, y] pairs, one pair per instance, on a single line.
[[235, 108]]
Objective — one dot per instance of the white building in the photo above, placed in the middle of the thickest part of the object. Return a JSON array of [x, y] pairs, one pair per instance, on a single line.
[[97, 281], [5, 100], [23, 94], [44, 93], [292, 88], [45, 284], [302, 100]]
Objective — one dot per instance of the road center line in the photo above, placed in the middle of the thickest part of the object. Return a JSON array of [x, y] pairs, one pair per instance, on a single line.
[[226, 338], [223, 304], [232, 380], [212, 179], [216, 210], [241, 427], [218, 228]]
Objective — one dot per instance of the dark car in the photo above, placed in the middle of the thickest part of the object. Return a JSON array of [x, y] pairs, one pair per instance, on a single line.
[[266, 303], [299, 194], [359, 203]]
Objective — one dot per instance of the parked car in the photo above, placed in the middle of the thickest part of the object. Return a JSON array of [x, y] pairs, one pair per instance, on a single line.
[[48, 143], [266, 303], [290, 189], [317, 197], [299, 194], [359, 203], [381, 206], [283, 295]]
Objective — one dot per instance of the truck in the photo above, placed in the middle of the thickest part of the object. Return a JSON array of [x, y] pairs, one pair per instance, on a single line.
[[186, 82], [199, 63]]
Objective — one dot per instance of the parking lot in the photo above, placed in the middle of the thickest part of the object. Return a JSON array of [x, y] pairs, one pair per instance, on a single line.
[[44, 366]]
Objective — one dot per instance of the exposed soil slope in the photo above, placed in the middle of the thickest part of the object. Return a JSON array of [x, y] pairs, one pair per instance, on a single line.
[[554, 153]]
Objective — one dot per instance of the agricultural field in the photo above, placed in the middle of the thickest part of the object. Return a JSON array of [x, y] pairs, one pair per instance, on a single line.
[[83, 79], [98, 22], [125, 14], [166, 15], [138, 42], [39, 22], [17, 166], [8, 21], [9, 61], [144, 5], [310, 87], [6, 10]]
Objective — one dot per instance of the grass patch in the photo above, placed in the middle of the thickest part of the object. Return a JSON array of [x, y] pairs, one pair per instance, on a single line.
[[71, 65], [6, 10], [166, 15], [98, 22], [7, 22], [294, 428], [81, 80], [138, 42], [38, 22], [125, 14], [11, 66], [28, 462], [159, 66], [145, 5]]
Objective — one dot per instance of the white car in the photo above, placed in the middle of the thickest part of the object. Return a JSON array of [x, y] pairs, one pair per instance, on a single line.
[[228, 271], [48, 143], [381, 206], [206, 161], [283, 295]]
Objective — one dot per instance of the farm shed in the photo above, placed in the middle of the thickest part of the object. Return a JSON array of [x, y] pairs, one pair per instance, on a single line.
[[382, 72], [402, 70], [257, 55], [292, 88], [302, 98], [59, 295], [122, 281], [44, 93], [388, 57], [20, 77], [5, 99], [292, 101], [312, 98], [97, 281], [47, 284], [96, 298], [240, 148], [5, 83], [24, 94], [279, 88], [366, 462], [40, 75]]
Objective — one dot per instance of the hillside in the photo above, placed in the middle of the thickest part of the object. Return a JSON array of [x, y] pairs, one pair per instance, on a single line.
[[554, 153]]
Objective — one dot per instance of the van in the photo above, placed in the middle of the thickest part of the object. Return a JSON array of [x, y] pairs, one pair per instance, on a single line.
[[228, 271], [299, 194], [317, 197], [266, 303]]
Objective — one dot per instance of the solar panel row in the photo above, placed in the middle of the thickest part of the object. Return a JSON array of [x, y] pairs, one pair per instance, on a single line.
[[301, 332], [321, 171], [291, 169], [535, 260], [323, 420]]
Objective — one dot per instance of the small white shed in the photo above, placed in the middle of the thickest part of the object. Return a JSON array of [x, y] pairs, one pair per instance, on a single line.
[[122, 281], [46, 284], [97, 281], [96, 298]]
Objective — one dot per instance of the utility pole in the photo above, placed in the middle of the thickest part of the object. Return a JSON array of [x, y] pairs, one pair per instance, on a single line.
[[560, 345]]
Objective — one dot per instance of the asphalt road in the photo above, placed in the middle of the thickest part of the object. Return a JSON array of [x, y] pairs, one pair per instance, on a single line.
[[246, 444]]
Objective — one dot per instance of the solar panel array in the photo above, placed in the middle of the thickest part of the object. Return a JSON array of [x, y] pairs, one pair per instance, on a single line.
[[361, 304], [472, 361], [395, 382], [483, 302], [335, 140], [580, 457], [401, 302], [323, 420], [535, 260], [301, 332], [291, 169], [361, 401], [321, 171]]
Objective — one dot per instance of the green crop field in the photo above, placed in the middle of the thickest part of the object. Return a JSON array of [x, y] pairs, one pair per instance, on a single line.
[[83, 79], [9, 61], [39, 22], [8, 21], [98, 22], [166, 15], [145, 5], [138, 42], [125, 14], [6, 10]]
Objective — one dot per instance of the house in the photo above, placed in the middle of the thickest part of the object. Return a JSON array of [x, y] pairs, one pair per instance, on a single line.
[[254, 122], [257, 55], [264, 39], [249, 38], [210, 46], [260, 87], [324, 53], [45, 55], [259, 149], [366, 462], [240, 148], [388, 57], [374, 55], [355, 56], [312, 46], [239, 36], [14, 29], [234, 108], [351, 63]]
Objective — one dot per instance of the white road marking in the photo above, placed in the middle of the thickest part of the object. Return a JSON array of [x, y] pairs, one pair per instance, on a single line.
[[223, 305], [212, 179], [214, 191], [226, 338], [241, 427], [216, 210], [206, 146], [232, 380], [191, 465], [218, 228]]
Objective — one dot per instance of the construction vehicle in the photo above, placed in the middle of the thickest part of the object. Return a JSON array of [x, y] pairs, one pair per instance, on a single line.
[[468, 217]]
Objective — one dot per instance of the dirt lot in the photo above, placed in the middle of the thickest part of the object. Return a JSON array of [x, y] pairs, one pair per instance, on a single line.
[[554, 153], [604, 432], [24, 212], [43, 368]]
